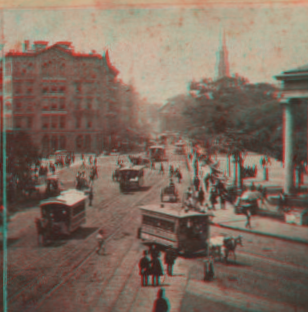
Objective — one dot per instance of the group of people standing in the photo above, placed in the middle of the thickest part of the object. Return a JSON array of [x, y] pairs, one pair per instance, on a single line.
[[153, 265]]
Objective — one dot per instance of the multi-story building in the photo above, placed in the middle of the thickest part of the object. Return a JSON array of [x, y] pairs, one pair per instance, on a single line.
[[59, 97]]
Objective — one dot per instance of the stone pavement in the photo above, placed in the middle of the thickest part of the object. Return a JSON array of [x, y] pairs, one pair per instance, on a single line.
[[237, 299]]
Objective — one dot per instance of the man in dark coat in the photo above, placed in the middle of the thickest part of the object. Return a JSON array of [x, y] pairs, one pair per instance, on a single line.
[[154, 251], [157, 270], [161, 304], [145, 266], [170, 257], [201, 196]]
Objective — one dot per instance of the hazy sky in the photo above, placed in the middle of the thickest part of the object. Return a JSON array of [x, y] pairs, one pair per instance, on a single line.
[[161, 50]]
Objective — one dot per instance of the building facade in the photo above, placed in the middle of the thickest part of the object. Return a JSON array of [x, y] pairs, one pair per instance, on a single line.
[[59, 97]]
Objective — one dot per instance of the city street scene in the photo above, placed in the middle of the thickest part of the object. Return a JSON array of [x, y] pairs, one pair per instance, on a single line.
[[154, 158]]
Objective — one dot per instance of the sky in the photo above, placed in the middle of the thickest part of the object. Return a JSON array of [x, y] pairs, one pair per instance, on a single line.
[[160, 50]]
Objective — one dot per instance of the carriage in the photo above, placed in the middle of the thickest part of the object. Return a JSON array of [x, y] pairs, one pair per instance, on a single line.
[[171, 192], [222, 245], [131, 178], [179, 148], [170, 225], [157, 153]]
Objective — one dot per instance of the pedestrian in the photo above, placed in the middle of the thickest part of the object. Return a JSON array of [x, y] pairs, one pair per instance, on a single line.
[[212, 198], [145, 266], [170, 257], [161, 170], [154, 251], [156, 270], [201, 196], [161, 304], [209, 269], [248, 215], [100, 242], [90, 196]]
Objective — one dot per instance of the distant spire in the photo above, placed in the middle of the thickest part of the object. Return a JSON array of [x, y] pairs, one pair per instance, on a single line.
[[223, 64]]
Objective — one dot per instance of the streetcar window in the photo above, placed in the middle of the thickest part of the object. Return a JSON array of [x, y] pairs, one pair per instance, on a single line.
[[159, 223]]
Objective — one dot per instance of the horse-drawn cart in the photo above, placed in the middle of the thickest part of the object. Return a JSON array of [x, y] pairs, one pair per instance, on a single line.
[[222, 245], [171, 192]]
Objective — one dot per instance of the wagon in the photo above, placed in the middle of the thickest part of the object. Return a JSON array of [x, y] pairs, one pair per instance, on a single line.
[[170, 192]]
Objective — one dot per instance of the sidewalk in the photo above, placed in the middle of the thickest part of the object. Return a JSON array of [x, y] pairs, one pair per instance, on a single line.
[[260, 225]]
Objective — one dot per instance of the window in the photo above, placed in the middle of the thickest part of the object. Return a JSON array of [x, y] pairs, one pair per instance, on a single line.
[[89, 104], [54, 122], [62, 142], [89, 123], [77, 104], [45, 90], [8, 69], [87, 142], [62, 122], [29, 122], [45, 105], [18, 106], [159, 223], [78, 209], [18, 122], [78, 122], [45, 122], [54, 89], [18, 88], [61, 89], [29, 90], [61, 103], [53, 104], [78, 87]]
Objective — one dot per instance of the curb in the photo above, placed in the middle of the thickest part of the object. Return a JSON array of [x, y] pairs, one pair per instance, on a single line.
[[282, 237]]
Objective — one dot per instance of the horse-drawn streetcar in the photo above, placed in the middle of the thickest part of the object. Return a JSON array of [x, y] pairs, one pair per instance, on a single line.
[[169, 224], [61, 215]]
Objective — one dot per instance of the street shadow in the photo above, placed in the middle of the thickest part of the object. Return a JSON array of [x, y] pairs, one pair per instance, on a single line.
[[145, 188], [232, 263], [175, 275], [82, 233], [55, 243], [10, 242]]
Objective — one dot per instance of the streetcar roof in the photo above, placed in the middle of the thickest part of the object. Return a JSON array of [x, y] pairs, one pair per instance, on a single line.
[[157, 146], [132, 168], [174, 210], [68, 198]]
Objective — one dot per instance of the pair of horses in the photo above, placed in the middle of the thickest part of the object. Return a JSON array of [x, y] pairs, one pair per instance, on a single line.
[[222, 246]]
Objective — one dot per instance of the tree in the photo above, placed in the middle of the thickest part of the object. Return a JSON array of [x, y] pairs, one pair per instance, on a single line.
[[21, 156]]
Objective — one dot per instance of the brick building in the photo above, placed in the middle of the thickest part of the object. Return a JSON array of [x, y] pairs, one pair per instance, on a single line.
[[60, 97]]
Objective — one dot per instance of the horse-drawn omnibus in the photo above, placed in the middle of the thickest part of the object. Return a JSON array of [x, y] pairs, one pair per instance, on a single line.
[[179, 148], [157, 153], [63, 214], [170, 225], [131, 178]]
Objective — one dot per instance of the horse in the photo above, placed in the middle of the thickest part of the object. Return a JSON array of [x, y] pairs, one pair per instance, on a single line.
[[230, 244]]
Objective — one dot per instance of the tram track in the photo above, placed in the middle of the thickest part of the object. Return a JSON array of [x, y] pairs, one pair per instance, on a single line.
[[111, 203], [105, 203]]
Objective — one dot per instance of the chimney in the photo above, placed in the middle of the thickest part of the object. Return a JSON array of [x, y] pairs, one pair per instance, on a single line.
[[40, 45], [26, 46]]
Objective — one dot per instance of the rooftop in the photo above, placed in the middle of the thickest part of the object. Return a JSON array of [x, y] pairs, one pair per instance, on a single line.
[[69, 198], [174, 210]]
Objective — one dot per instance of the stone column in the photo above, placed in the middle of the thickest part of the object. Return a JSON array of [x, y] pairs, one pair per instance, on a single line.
[[288, 147], [234, 169], [228, 165], [239, 172]]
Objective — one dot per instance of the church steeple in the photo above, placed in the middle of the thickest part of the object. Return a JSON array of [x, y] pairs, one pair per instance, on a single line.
[[223, 64]]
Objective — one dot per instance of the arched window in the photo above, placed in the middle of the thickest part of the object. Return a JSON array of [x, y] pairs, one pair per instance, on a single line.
[[87, 143], [62, 142], [45, 143], [79, 142], [54, 143]]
